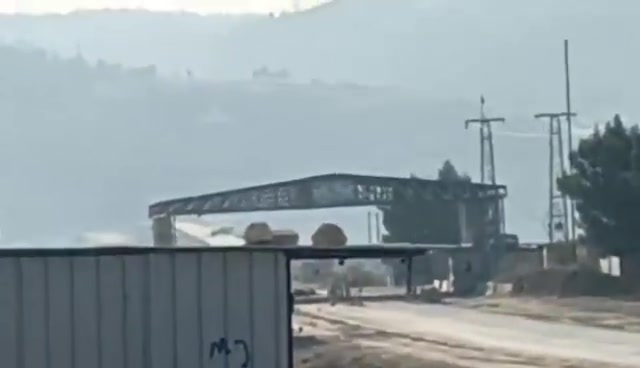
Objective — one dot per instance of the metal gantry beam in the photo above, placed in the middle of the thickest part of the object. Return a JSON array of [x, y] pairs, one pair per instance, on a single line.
[[325, 191]]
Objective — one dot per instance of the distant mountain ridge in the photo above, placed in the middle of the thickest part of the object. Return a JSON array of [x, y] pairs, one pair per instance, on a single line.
[[445, 48]]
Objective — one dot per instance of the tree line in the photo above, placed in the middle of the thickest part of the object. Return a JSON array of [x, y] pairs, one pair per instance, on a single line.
[[605, 185]]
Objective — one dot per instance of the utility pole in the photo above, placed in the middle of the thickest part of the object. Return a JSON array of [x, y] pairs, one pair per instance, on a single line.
[[569, 130], [487, 159], [369, 235], [558, 226], [378, 232]]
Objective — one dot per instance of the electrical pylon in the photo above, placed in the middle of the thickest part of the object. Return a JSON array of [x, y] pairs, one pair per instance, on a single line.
[[487, 158], [558, 225]]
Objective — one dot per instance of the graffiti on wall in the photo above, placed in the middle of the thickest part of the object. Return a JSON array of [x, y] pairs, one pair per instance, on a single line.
[[225, 347]]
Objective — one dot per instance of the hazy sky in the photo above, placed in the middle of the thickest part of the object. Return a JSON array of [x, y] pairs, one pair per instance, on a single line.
[[235, 6]]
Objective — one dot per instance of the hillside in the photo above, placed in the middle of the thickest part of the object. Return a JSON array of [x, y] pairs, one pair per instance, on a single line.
[[457, 49], [87, 145], [174, 41], [450, 49]]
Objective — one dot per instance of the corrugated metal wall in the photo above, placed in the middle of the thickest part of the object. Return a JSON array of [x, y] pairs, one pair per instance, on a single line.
[[159, 310]]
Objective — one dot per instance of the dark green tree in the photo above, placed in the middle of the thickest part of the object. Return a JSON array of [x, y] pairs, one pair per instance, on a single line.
[[449, 173], [422, 221], [425, 221], [605, 185]]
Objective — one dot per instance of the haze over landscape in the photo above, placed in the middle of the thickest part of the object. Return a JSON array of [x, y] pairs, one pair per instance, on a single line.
[[104, 112]]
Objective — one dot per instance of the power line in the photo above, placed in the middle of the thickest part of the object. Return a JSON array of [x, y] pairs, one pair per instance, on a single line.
[[558, 226]]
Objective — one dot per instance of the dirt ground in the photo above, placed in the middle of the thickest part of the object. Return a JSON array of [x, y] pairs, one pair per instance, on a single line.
[[324, 341], [327, 343], [344, 354], [590, 311], [322, 344]]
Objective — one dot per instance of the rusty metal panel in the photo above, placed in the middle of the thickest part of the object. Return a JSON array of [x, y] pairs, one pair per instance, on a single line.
[[157, 310]]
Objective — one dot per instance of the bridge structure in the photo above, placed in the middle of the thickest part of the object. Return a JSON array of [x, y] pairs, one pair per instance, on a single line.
[[479, 218], [337, 190]]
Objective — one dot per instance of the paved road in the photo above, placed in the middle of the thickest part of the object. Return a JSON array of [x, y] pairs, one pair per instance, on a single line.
[[492, 331]]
